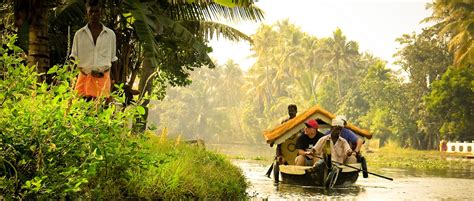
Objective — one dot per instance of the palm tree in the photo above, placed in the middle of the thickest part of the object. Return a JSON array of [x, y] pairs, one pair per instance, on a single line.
[[163, 40], [182, 25], [31, 21], [456, 19], [262, 73], [341, 55], [230, 84]]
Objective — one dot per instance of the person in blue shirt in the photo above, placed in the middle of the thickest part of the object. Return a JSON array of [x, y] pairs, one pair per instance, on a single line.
[[354, 141], [356, 144]]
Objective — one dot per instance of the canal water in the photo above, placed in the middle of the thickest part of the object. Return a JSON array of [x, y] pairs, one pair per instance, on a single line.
[[407, 184]]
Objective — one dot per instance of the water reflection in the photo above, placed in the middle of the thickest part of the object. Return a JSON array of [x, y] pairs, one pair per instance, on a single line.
[[372, 188], [408, 184], [448, 173], [310, 191]]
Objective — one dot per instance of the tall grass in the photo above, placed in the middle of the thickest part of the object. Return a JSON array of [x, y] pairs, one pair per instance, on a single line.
[[182, 171]]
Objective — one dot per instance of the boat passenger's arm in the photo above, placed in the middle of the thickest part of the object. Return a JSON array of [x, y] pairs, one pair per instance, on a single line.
[[358, 145], [302, 152], [318, 148], [347, 148]]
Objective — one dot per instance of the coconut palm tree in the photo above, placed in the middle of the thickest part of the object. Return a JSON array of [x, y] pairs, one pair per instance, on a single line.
[[341, 55], [149, 28], [456, 19], [30, 18]]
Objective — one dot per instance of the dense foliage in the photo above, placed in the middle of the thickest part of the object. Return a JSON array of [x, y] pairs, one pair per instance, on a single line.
[[294, 67], [453, 93], [55, 145]]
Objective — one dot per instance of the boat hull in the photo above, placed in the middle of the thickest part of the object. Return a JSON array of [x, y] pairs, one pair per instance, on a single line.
[[299, 176]]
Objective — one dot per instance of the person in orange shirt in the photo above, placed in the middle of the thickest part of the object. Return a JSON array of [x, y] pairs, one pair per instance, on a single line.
[[94, 46]]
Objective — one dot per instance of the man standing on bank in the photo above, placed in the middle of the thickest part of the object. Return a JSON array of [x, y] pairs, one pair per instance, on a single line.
[[94, 47]]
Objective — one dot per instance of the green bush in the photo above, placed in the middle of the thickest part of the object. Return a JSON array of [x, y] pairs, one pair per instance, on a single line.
[[53, 144]]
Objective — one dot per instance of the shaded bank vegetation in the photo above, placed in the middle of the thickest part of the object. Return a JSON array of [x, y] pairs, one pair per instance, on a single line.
[[392, 156], [55, 145]]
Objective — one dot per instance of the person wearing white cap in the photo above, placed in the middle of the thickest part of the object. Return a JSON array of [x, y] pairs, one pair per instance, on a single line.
[[340, 148], [354, 141]]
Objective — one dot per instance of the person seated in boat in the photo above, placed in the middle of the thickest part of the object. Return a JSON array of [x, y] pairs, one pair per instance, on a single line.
[[340, 148], [354, 141], [305, 142]]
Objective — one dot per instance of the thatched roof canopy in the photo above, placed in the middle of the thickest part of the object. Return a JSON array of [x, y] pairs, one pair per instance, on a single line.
[[283, 131]]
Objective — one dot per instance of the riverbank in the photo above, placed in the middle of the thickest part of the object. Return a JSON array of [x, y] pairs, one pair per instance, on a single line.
[[390, 156], [183, 171], [396, 157]]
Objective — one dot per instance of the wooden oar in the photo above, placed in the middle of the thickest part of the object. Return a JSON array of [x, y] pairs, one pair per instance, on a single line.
[[381, 176], [269, 171]]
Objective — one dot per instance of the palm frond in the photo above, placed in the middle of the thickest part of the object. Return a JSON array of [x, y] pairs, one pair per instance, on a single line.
[[464, 56], [70, 11], [210, 30], [211, 11], [181, 34], [145, 29], [228, 3]]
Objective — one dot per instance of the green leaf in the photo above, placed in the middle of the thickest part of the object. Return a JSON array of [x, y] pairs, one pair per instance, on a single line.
[[53, 69], [141, 110]]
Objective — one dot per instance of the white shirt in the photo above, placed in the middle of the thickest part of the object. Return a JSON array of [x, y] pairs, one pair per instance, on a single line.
[[339, 150], [94, 57]]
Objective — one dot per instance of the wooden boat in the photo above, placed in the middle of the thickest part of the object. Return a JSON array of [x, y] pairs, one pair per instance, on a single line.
[[284, 135], [299, 175]]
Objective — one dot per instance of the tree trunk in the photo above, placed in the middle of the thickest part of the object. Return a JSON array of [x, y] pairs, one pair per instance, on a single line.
[[338, 82], [38, 47], [145, 86]]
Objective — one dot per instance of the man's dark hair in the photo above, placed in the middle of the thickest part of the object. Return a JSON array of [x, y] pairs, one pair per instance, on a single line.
[[292, 106], [91, 3]]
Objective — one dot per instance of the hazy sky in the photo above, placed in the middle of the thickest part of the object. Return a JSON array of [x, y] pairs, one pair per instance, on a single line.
[[374, 24]]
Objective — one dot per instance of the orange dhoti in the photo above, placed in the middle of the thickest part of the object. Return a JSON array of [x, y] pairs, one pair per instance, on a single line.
[[90, 86]]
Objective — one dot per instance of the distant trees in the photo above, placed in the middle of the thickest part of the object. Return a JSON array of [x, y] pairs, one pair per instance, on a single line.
[[450, 105], [342, 56], [294, 67], [291, 67], [425, 57]]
